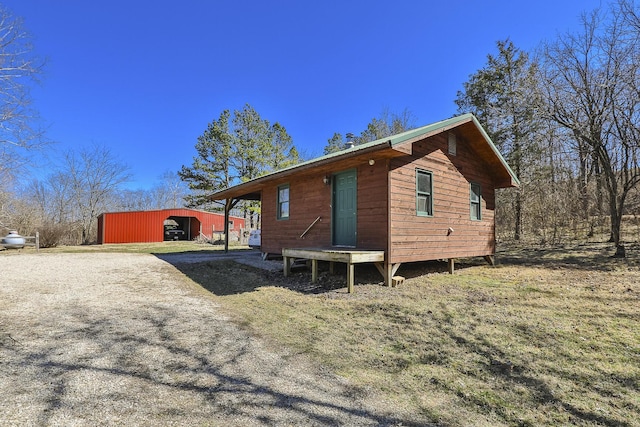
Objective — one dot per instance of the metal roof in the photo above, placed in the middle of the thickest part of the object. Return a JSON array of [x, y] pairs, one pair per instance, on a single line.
[[394, 141]]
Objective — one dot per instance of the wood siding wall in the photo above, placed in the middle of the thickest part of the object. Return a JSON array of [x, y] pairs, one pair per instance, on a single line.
[[418, 238], [310, 198]]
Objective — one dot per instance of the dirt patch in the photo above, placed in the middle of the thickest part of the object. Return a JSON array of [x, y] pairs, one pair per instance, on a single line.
[[126, 339]]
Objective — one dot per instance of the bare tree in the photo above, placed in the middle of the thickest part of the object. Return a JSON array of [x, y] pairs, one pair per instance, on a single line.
[[591, 89], [52, 197], [19, 67], [94, 174], [131, 200], [170, 192]]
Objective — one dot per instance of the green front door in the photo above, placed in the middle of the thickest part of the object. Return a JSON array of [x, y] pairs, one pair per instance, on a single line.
[[344, 208]]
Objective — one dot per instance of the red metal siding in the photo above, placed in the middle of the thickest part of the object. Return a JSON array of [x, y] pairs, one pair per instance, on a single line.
[[148, 226]]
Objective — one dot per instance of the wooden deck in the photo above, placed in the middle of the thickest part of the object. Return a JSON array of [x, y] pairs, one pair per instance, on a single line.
[[347, 256]]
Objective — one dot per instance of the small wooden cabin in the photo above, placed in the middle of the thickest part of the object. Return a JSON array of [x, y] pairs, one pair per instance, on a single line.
[[424, 194]]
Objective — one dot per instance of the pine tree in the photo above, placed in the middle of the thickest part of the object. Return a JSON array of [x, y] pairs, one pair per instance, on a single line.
[[503, 96], [236, 149]]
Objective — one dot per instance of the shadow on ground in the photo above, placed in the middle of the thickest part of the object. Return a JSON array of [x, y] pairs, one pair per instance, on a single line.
[[154, 363], [212, 271], [248, 273], [588, 256]]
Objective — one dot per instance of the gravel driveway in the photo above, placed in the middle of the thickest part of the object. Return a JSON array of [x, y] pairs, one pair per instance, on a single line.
[[124, 339]]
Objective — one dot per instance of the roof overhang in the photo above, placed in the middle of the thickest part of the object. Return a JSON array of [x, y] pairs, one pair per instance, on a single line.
[[466, 126], [251, 190]]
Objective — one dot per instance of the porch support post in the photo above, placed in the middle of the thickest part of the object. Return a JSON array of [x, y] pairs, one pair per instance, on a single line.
[[490, 259], [229, 204]]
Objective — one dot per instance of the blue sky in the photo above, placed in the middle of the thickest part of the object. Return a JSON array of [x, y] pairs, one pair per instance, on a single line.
[[144, 77]]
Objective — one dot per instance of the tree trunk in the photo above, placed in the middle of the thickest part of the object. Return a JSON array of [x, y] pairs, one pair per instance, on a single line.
[[518, 214], [583, 176], [616, 225]]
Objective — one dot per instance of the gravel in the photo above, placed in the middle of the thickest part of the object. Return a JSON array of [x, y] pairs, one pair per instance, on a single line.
[[125, 339]]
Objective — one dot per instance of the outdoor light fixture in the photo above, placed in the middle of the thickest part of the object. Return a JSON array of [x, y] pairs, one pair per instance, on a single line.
[[326, 180], [372, 162]]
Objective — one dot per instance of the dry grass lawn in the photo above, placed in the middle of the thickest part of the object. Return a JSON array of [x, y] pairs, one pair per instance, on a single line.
[[548, 337]]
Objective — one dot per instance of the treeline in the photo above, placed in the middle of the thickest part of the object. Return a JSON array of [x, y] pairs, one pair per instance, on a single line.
[[387, 124], [64, 206], [566, 117]]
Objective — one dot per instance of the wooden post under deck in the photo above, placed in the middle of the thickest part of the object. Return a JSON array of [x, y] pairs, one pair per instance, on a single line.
[[388, 270], [451, 265], [351, 273], [287, 265], [388, 273]]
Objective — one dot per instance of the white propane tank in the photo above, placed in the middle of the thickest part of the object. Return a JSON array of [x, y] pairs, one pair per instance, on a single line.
[[13, 241]]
